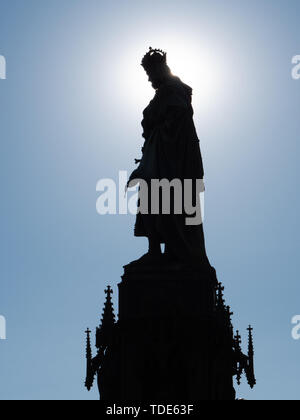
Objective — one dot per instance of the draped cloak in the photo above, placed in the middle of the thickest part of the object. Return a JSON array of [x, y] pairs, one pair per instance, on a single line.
[[171, 151]]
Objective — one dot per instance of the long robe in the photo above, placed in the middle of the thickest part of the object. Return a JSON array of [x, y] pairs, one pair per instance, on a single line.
[[171, 151]]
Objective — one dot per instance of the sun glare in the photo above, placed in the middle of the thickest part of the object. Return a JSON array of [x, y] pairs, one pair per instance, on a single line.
[[197, 67]]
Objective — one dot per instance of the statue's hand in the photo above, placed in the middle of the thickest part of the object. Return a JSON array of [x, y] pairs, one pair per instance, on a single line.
[[133, 179]]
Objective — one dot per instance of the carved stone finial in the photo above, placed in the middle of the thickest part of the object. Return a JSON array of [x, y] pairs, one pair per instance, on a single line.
[[250, 369], [108, 321], [109, 291], [89, 374], [220, 296]]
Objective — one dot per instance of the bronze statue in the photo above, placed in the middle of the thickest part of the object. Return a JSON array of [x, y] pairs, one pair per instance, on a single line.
[[171, 152], [174, 338]]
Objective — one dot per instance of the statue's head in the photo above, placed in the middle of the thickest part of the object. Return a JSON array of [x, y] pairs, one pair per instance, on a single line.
[[155, 65]]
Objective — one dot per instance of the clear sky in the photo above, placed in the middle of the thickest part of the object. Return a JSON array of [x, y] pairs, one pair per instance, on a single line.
[[70, 114]]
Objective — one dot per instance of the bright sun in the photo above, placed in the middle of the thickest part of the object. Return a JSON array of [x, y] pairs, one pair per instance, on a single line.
[[199, 68]]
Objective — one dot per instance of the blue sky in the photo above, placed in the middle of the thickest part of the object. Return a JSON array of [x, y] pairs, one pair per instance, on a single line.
[[70, 114]]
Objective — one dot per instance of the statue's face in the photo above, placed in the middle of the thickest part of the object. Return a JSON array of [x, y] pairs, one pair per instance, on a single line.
[[156, 83], [156, 77]]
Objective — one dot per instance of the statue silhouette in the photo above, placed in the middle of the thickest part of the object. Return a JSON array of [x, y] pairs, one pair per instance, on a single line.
[[171, 152], [174, 339]]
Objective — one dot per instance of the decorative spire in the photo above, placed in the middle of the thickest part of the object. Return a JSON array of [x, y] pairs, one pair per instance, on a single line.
[[104, 332], [104, 336], [238, 342], [230, 322], [88, 344], [250, 342], [250, 371], [220, 296], [89, 369], [229, 314], [238, 352]]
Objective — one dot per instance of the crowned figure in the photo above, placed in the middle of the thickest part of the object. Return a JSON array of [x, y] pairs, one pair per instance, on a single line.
[[171, 152], [174, 338]]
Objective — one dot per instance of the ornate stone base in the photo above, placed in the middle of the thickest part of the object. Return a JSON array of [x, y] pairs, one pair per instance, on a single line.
[[174, 339], [172, 346]]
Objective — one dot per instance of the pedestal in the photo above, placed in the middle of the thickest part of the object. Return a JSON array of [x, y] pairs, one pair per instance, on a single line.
[[172, 345], [173, 341]]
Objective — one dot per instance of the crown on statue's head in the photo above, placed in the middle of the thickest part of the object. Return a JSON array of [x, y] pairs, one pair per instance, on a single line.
[[153, 58]]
